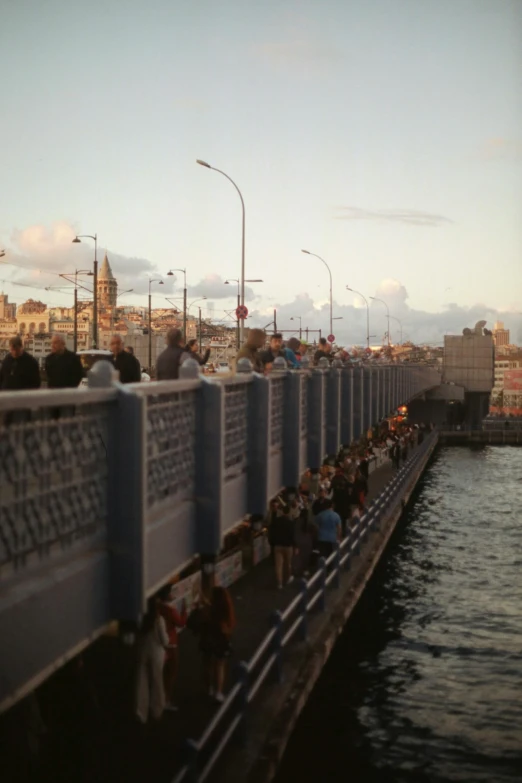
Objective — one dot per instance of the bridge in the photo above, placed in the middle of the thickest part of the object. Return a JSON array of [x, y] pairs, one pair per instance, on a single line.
[[107, 492]]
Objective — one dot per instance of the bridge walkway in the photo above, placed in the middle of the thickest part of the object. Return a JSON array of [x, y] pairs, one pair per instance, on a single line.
[[112, 745]]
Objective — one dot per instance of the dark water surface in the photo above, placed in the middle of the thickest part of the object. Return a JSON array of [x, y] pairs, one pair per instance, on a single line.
[[425, 684]]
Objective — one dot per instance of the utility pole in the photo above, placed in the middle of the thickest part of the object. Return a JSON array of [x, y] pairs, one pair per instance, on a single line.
[[75, 339]]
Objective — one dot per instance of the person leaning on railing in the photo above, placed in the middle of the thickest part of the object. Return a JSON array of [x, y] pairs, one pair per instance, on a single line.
[[19, 370]]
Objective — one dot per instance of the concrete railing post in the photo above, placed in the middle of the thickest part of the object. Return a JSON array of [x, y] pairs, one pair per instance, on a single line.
[[347, 405], [292, 431], [127, 498], [210, 450], [258, 444], [333, 410], [316, 398], [358, 402]]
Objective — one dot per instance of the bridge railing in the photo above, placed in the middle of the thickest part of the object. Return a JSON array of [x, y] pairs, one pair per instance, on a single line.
[[290, 625], [106, 492]]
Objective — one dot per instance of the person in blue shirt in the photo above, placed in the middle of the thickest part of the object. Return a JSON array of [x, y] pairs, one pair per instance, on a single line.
[[329, 529]]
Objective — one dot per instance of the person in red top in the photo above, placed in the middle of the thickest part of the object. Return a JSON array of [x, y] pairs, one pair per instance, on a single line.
[[173, 621]]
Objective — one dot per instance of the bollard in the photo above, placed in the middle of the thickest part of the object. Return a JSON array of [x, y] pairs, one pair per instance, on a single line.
[[337, 580], [322, 566], [102, 375], [304, 612], [189, 369], [277, 623], [244, 678], [280, 364], [244, 365], [305, 362]]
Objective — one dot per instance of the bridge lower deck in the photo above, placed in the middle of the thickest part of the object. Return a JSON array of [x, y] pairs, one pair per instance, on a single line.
[[89, 708]]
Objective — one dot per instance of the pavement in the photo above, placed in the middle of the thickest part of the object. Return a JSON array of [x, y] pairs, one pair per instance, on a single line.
[[101, 741]]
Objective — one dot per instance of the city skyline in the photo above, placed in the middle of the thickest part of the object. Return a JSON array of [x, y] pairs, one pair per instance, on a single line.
[[384, 138]]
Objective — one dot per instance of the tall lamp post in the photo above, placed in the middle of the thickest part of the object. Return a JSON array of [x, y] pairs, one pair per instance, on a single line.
[[331, 294], [235, 280], [367, 313], [242, 300], [399, 322], [77, 239], [2, 253], [294, 318], [169, 274], [387, 313], [151, 281]]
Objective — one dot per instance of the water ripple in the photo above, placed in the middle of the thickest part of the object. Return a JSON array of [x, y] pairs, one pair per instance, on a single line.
[[425, 684]]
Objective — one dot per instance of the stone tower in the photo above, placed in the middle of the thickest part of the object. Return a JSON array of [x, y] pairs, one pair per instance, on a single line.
[[107, 286]]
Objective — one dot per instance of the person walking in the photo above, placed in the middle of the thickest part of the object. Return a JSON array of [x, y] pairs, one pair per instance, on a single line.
[[217, 624], [173, 620], [170, 360], [19, 370], [281, 535], [126, 364], [328, 530], [150, 690], [63, 368]]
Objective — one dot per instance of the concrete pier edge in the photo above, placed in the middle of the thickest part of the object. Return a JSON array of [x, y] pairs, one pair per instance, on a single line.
[[279, 706]]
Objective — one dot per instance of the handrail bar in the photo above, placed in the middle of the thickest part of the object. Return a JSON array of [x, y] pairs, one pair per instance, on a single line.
[[290, 608], [207, 769], [217, 717], [268, 639], [293, 628], [261, 677]]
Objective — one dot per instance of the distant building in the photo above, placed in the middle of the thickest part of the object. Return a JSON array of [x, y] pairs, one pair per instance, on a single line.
[[469, 362], [7, 309], [107, 286], [500, 335]]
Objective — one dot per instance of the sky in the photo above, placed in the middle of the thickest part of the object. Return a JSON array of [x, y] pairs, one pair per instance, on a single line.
[[384, 136]]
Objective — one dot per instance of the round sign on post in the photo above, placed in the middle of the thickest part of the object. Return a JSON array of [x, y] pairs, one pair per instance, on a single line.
[[242, 312], [331, 338]]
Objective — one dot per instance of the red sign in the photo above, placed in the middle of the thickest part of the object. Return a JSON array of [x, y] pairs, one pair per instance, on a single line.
[[331, 338], [512, 380], [241, 312]]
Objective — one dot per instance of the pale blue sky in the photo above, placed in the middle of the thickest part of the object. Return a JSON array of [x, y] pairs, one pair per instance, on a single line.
[[406, 105]]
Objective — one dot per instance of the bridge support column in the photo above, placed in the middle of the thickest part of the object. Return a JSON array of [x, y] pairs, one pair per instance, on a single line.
[[210, 459], [258, 443], [368, 405]]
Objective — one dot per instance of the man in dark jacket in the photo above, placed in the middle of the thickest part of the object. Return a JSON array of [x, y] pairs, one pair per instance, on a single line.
[[19, 370], [62, 367], [126, 364], [170, 360]]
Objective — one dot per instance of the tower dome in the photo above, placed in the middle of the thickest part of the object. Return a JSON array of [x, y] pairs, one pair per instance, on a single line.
[[107, 285]]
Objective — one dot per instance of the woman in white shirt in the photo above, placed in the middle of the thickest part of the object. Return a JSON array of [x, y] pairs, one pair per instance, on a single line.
[[150, 695]]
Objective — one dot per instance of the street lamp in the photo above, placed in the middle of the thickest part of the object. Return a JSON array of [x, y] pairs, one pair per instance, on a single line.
[[67, 276], [387, 313], [77, 240], [399, 322], [151, 281], [331, 295], [2, 253], [169, 274], [367, 313], [293, 318], [242, 300], [235, 280]]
